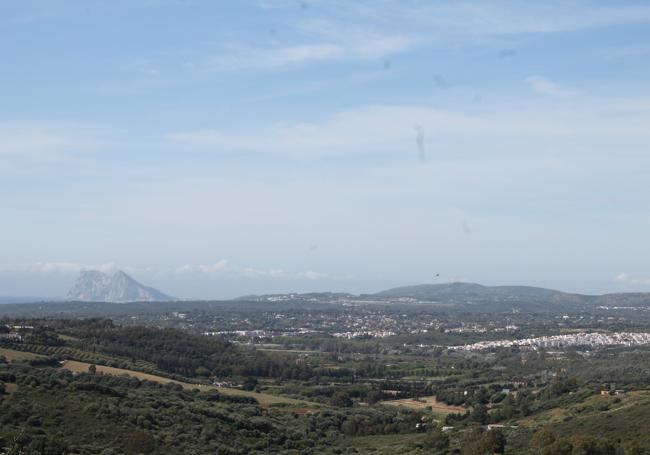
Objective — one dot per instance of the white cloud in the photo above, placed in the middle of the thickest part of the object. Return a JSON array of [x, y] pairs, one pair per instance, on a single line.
[[216, 268], [223, 267], [547, 87], [269, 58], [507, 17], [50, 268], [273, 58], [626, 279], [219, 268], [282, 274], [364, 30], [390, 129], [361, 131], [45, 140], [441, 20]]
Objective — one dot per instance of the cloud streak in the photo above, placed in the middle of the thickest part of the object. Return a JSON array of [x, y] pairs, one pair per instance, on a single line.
[[220, 268], [367, 46], [548, 87], [54, 268], [388, 128], [371, 30], [444, 21], [49, 141], [624, 278]]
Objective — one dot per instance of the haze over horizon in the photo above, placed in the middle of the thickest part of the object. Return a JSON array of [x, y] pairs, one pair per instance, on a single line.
[[214, 149]]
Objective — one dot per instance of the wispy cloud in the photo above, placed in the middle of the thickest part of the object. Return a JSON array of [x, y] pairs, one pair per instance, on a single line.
[[270, 58], [221, 268], [498, 17], [54, 268], [548, 87], [390, 129], [218, 267], [282, 274], [366, 30], [627, 279], [48, 139], [471, 19]]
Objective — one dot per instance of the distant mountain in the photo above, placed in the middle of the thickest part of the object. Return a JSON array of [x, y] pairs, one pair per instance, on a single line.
[[629, 299], [96, 286], [470, 291], [488, 298], [431, 291], [467, 297]]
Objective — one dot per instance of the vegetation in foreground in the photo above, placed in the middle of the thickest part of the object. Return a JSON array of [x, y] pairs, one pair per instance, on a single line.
[[89, 387]]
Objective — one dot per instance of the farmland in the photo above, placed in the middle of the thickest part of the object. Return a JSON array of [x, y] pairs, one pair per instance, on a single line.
[[12, 355], [351, 396], [263, 398], [426, 403]]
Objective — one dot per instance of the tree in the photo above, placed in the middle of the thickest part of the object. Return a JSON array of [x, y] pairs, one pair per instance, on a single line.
[[340, 399], [524, 406], [472, 442], [634, 448], [349, 427], [507, 407], [436, 440], [559, 447], [249, 383], [495, 441], [541, 439], [480, 414], [373, 396], [202, 372], [139, 442]]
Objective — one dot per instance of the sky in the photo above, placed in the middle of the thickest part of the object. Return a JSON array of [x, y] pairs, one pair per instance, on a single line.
[[214, 149]]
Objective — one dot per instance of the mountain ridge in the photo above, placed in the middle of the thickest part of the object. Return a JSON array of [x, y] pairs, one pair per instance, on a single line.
[[476, 295]]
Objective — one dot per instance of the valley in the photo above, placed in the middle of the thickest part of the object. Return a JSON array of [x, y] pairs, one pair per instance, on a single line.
[[407, 371]]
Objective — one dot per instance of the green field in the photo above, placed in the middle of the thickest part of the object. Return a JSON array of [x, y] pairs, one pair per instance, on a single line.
[[13, 356], [424, 403], [263, 398]]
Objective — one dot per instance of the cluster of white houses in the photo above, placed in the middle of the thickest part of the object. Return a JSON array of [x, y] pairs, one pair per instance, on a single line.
[[595, 339]]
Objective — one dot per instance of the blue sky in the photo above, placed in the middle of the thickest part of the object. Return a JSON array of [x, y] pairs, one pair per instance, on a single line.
[[216, 149]]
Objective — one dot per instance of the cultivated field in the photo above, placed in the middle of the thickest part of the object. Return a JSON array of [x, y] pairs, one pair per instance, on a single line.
[[263, 398], [426, 402], [13, 356]]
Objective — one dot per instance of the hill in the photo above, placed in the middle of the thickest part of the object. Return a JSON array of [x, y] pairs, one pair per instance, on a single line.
[[96, 286], [466, 296], [472, 292]]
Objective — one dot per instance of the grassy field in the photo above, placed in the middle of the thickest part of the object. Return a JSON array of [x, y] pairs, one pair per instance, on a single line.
[[263, 398], [13, 356], [424, 403]]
